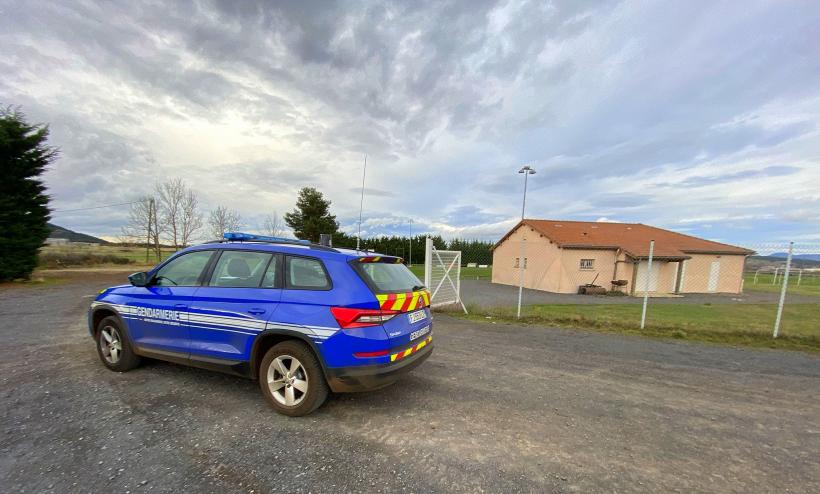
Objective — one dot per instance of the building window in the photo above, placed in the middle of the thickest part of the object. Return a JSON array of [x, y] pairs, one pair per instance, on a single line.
[[518, 263], [587, 264]]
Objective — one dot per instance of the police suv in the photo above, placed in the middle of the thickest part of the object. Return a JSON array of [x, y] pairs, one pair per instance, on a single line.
[[303, 319]]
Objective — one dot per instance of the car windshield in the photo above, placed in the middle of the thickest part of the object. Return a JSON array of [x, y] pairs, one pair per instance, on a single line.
[[389, 277]]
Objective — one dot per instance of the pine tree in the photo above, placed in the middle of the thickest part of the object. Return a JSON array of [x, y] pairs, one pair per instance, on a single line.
[[311, 216], [24, 212]]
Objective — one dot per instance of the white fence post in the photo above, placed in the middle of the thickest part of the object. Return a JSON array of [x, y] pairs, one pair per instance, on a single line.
[[783, 291], [428, 262], [646, 288]]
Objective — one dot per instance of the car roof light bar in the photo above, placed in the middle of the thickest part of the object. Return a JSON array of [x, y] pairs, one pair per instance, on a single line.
[[249, 237]]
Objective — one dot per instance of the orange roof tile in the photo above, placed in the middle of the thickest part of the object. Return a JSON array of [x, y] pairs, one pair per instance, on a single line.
[[631, 237]]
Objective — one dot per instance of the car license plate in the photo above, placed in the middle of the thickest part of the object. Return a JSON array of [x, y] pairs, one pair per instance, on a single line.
[[417, 316], [423, 331]]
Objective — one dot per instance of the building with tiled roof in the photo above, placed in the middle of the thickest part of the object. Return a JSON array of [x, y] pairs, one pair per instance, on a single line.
[[561, 255]]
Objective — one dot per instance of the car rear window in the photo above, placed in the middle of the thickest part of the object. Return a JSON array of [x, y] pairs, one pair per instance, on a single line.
[[305, 273], [388, 277]]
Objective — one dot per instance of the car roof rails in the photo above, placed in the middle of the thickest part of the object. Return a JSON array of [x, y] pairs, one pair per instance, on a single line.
[[250, 237]]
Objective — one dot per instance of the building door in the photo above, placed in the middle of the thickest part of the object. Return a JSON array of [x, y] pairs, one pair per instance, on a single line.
[[640, 279], [714, 275]]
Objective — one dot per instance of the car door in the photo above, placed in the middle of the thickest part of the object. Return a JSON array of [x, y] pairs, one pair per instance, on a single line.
[[158, 312], [233, 305]]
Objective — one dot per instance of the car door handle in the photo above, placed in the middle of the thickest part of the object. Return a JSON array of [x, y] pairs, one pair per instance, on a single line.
[[256, 311]]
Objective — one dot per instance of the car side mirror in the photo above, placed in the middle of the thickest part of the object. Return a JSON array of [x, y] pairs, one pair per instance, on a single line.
[[138, 279]]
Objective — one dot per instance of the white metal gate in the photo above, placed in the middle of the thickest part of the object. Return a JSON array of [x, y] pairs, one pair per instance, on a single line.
[[442, 275]]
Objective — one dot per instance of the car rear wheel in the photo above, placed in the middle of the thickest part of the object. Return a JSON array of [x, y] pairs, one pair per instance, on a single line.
[[113, 346], [292, 380]]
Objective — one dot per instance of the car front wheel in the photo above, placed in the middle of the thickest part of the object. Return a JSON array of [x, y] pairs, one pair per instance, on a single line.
[[291, 379], [113, 346]]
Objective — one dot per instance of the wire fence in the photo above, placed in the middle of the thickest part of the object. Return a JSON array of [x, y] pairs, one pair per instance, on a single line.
[[730, 293]]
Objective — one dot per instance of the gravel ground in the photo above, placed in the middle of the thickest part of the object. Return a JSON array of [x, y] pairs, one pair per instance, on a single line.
[[487, 294], [497, 408]]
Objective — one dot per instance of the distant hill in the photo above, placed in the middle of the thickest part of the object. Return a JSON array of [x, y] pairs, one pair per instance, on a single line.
[[805, 257], [778, 259], [72, 236]]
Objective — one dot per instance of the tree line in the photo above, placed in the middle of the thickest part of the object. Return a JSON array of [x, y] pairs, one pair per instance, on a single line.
[[171, 216]]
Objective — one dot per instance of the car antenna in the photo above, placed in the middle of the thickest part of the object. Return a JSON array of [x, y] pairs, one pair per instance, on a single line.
[[361, 204]]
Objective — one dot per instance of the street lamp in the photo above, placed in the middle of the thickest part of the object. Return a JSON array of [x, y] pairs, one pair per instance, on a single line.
[[526, 171]]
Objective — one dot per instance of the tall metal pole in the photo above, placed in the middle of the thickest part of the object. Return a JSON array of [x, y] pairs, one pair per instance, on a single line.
[[646, 286], [361, 205], [410, 262], [783, 291], [148, 238], [521, 260]]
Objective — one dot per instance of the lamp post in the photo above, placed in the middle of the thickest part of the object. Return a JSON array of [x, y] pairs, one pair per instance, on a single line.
[[410, 262], [526, 171]]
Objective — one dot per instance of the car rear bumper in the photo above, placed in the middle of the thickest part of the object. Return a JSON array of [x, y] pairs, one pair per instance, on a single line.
[[370, 377]]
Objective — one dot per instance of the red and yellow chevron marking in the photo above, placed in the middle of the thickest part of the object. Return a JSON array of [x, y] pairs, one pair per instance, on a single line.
[[404, 302], [394, 260], [411, 350]]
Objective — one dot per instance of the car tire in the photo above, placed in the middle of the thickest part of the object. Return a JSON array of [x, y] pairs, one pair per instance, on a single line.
[[291, 379], [113, 346]]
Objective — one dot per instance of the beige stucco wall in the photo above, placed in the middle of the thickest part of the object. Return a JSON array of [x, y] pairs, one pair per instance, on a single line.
[[558, 270], [543, 267], [550, 268], [572, 276], [697, 269]]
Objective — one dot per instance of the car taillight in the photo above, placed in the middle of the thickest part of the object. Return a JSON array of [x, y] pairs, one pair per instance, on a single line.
[[380, 353], [358, 318]]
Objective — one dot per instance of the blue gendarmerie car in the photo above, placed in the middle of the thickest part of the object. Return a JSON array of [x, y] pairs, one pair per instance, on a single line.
[[303, 319]]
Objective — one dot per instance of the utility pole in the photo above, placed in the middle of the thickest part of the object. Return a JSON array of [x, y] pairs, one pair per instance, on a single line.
[[150, 223], [410, 261], [522, 260], [361, 204]]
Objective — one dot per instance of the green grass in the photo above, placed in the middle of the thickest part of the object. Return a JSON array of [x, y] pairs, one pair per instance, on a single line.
[[748, 325], [66, 256], [466, 273], [809, 284]]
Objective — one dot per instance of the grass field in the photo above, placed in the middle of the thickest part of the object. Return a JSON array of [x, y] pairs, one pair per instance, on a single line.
[[466, 273], [809, 283], [66, 256], [749, 325]]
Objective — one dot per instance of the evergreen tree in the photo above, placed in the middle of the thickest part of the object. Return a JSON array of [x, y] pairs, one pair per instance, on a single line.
[[24, 212], [311, 216]]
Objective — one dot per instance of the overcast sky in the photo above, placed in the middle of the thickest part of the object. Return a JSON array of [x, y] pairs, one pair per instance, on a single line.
[[698, 116]]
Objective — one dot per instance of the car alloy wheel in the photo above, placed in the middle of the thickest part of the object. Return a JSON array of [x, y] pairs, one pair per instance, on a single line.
[[110, 344], [287, 380]]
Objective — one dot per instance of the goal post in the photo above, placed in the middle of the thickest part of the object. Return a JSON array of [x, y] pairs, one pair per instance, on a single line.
[[442, 275]]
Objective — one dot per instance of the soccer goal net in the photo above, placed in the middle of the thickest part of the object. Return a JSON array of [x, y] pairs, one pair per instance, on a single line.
[[442, 276]]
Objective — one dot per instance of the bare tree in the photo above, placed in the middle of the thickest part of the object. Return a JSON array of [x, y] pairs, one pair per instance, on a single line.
[[223, 220], [178, 211], [273, 225], [191, 219], [144, 225]]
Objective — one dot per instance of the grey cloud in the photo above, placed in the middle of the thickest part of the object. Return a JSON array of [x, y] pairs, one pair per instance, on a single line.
[[594, 95], [769, 171]]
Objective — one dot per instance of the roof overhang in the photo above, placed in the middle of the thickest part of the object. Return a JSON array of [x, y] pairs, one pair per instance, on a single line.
[[744, 252]]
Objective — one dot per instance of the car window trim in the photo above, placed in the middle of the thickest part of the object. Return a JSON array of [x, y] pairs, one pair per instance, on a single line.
[[286, 265], [206, 282], [156, 270]]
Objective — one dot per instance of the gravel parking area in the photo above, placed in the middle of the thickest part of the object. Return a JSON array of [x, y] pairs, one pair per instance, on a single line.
[[497, 408], [487, 294]]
